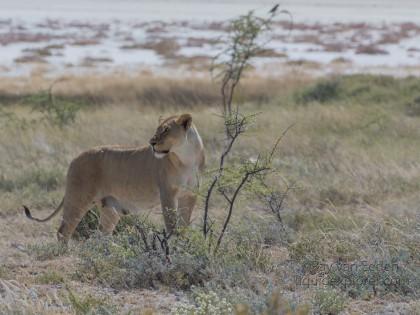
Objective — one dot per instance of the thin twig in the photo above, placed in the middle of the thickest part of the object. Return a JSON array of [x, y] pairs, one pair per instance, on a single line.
[[273, 151], [244, 179]]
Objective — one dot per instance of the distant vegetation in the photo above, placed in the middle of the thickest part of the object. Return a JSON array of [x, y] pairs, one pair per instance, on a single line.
[[363, 89]]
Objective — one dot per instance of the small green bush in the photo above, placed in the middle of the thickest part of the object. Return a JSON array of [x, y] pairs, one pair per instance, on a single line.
[[125, 261], [321, 92], [206, 304], [272, 303], [90, 305], [362, 89], [57, 111], [328, 302]]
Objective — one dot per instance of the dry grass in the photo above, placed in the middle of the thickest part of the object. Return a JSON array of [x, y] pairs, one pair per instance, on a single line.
[[145, 89], [355, 159]]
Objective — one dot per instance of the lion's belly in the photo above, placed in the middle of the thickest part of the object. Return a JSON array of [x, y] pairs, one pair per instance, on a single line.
[[139, 200], [134, 189], [134, 198]]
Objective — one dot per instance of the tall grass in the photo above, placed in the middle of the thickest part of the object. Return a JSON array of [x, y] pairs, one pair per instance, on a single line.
[[145, 89], [353, 154]]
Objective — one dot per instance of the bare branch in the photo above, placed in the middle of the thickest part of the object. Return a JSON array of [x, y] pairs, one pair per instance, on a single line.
[[223, 193], [236, 126]]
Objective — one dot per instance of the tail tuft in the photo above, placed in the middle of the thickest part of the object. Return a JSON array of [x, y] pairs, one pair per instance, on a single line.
[[29, 215], [27, 212]]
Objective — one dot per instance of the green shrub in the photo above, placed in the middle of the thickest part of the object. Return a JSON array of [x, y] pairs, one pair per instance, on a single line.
[[126, 261], [90, 305], [58, 111], [328, 302], [271, 302], [362, 89], [206, 303], [321, 92]]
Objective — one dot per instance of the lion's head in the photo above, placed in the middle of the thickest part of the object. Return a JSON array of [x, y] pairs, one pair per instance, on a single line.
[[170, 134]]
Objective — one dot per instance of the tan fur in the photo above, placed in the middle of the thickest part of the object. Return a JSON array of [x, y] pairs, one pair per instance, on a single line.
[[126, 178]]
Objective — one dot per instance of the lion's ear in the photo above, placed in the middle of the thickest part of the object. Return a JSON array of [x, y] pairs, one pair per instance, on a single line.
[[160, 119], [184, 120]]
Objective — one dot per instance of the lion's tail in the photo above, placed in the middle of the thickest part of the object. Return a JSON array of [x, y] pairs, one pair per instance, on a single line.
[[29, 215]]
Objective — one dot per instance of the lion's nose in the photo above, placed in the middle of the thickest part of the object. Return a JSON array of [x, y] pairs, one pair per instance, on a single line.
[[153, 141]]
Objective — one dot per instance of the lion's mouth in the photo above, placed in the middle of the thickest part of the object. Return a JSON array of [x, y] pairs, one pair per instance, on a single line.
[[159, 152]]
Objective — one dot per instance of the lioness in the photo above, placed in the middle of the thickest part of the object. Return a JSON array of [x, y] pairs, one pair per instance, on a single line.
[[126, 178]]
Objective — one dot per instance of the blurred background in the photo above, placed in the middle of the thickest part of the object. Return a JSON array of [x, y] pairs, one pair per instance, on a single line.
[[330, 36]]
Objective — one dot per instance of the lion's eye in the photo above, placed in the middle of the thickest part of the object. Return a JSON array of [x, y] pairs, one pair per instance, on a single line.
[[165, 129]]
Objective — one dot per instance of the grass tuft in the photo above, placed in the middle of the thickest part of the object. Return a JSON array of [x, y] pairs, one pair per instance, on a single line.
[[47, 251], [328, 301], [50, 277]]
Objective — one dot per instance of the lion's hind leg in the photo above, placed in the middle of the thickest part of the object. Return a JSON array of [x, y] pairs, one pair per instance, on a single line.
[[110, 214], [72, 215]]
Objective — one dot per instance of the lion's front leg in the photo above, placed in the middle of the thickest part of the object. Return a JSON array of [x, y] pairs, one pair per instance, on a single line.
[[186, 203], [169, 203]]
